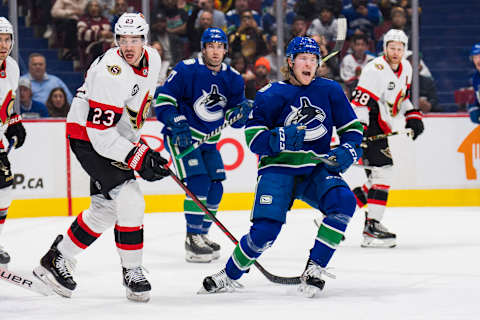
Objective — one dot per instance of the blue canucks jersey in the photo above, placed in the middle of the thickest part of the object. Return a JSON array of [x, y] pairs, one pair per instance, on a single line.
[[476, 87], [319, 106], [203, 96]]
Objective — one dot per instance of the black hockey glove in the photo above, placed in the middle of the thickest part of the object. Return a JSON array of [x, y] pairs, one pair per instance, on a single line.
[[148, 163], [414, 122], [15, 130]]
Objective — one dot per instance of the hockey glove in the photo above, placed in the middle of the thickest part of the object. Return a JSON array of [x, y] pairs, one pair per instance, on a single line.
[[414, 122], [15, 130], [344, 155], [474, 112], [180, 130], [244, 108], [148, 163], [286, 138]]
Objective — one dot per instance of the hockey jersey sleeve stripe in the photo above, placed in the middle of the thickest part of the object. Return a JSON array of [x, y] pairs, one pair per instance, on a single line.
[[76, 131], [165, 99], [103, 116], [252, 132], [372, 95], [354, 126]]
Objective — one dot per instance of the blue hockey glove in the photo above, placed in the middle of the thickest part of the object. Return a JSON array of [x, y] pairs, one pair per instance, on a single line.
[[244, 108], [286, 138], [180, 130], [414, 122], [344, 155], [474, 112]]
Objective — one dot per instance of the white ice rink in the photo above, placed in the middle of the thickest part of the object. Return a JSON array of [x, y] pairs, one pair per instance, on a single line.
[[434, 273]]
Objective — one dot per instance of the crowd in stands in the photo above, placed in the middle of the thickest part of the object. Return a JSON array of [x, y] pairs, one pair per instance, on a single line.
[[83, 30]]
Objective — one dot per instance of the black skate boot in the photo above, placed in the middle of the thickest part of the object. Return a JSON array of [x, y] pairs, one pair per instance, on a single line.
[[196, 249], [56, 271], [4, 257], [219, 282], [376, 235], [138, 287], [311, 279], [215, 246]]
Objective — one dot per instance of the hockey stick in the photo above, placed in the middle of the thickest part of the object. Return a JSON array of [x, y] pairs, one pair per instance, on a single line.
[[24, 282], [408, 132], [271, 277], [340, 40], [208, 136]]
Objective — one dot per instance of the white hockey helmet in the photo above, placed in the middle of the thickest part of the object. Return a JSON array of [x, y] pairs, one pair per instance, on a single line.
[[395, 35], [131, 24], [6, 27]]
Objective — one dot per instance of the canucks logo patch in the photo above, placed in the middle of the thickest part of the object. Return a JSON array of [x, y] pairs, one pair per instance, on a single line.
[[310, 116], [114, 70], [209, 106]]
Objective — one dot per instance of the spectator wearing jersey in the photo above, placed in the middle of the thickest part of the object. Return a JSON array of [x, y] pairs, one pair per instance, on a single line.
[[172, 45], [325, 25], [94, 34], [362, 17], [57, 104], [353, 63], [30, 108], [234, 17], [248, 38], [42, 82], [262, 71]]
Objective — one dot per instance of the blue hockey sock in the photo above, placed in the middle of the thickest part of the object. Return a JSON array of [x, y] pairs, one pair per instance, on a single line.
[[193, 214], [263, 233], [213, 200]]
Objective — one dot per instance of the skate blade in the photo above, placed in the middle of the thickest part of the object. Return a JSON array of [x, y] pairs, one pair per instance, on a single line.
[[369, 242], [215, 255], [308, 291], [47, 278], [138, 296], [195, 258]]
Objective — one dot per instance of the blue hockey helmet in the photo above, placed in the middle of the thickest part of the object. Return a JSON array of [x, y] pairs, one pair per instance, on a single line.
[[214, 35], [302, 45], [475, 49]]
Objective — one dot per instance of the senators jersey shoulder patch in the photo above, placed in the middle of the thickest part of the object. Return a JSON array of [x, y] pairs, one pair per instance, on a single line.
[[114, 70], [379, 66]]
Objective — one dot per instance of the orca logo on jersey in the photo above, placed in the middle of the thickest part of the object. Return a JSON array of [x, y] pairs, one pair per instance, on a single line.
[[209, 106], [310, 116], [114, 70]]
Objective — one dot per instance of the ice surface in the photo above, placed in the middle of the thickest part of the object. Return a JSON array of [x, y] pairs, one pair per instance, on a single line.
[[434, 273]]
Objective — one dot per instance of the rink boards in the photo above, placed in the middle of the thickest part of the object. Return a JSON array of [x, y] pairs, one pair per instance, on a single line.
[[440, 168]]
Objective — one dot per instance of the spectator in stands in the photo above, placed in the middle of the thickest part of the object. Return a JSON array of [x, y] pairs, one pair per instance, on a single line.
[[428, 99], [172, 44], [94, 34], [239, 63], [57, 104], [234, 17], [325, 25], [120, 7], [42, 82], [399, 21], [333, 62], [269, 23], [299, 28], [362, 17], [248, 38], [272, 58], [218, 17], [65, 14], [165, 63], [262, 71], [30, 108], [194, 33], [310, 9], [176, 17], [353, 63]]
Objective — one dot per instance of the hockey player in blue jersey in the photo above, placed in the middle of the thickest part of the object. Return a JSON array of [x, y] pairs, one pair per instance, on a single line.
[[198, 96], [289, 128], [474, 110]]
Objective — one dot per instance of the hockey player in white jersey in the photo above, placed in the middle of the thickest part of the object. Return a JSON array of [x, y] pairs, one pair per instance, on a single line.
[[383, 93], [11, 128], [103, 128]]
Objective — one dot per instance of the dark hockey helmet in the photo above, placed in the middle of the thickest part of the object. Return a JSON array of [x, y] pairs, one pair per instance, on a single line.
[[214, 35], [303, 45]]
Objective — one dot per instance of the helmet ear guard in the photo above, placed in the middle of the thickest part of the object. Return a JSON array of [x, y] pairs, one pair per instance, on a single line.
[[6, 27]]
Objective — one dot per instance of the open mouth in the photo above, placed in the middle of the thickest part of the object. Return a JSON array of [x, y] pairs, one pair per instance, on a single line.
[[306, 73], [129, 56]]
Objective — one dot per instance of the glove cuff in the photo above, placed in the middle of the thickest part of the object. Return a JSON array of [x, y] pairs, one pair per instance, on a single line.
[[136, 156], [14, 118], [413, 114], [351, 149]]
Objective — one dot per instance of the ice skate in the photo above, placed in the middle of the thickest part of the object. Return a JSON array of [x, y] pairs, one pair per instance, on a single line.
[[215, 246], [219, 282], [56, 271], [4, 258], [376, 235], [311, 279], [196, 250], [138, 287]]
